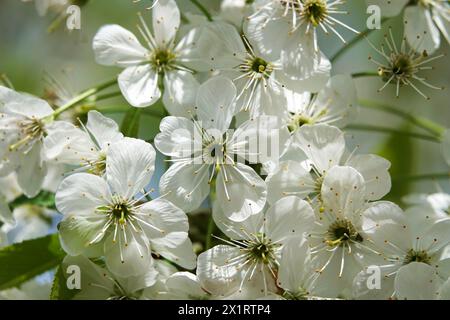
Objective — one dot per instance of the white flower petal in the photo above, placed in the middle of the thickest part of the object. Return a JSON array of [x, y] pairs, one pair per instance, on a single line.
[[21, 104], [104, 130], [437, 236], [116, 46], [290, 178], [134, 284], [289, 216], [216, 103], [161, 219], [338, 101], [180, 91], [375, 171], [253, 138], [130, 164], [183, 254], [304, 68], [70, 146], [441, 18], [78, 232], [364, 283], [139, 85], [444, 291], [81, 194], [269, 35], [420, 23], [295, 265], [130, 257], [31, 171], [166, 21], [240, 191], [184, 286], [227, 49], [385, 223], [237, 230], [91, 274], [179, 138], [214, 271], [416, 281], [185, 184], [323, 145], [343, 192]]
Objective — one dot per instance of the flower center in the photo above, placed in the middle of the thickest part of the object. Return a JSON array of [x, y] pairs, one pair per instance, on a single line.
[[401, 66], [120, 210], [299, 120], [256, 67], [162, 60], [30, 130], [259, 65], [315, 11], [98, 166], [214, 152], [261, 250], [417, 256], [340, 232]]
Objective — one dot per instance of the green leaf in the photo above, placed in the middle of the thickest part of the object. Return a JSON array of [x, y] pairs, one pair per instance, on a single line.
[[399, 149], [43, 199], [23, 261], [130, 124], [59, 287]]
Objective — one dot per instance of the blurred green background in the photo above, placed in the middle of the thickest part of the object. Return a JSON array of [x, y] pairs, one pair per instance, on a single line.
[[28, 51]]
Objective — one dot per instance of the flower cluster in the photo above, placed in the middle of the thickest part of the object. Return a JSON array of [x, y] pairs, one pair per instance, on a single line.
[[252, 133]]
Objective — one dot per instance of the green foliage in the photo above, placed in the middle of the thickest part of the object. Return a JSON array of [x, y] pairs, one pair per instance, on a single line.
[[59, 287], [131, 122], [23, 261], [43, 199], [399, 149]]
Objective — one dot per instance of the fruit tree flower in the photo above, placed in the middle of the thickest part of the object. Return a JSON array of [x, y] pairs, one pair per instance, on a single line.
[[439, 202], [249, 261], [183, 286], [402, 66], [97, 283], [108, 217], [421, 17], [85, 148], [296, 275], [332, 105], [402, 238], [203, 149], [340, 243], [24, 122], [325, 148], [254, 74], [164, 62], [287, 23]]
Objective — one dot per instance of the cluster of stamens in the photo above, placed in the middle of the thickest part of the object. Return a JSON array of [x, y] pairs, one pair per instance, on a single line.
[[257, 252], [403, 65], [417, 256], [30, 130], [256, 71], [341, 232]]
